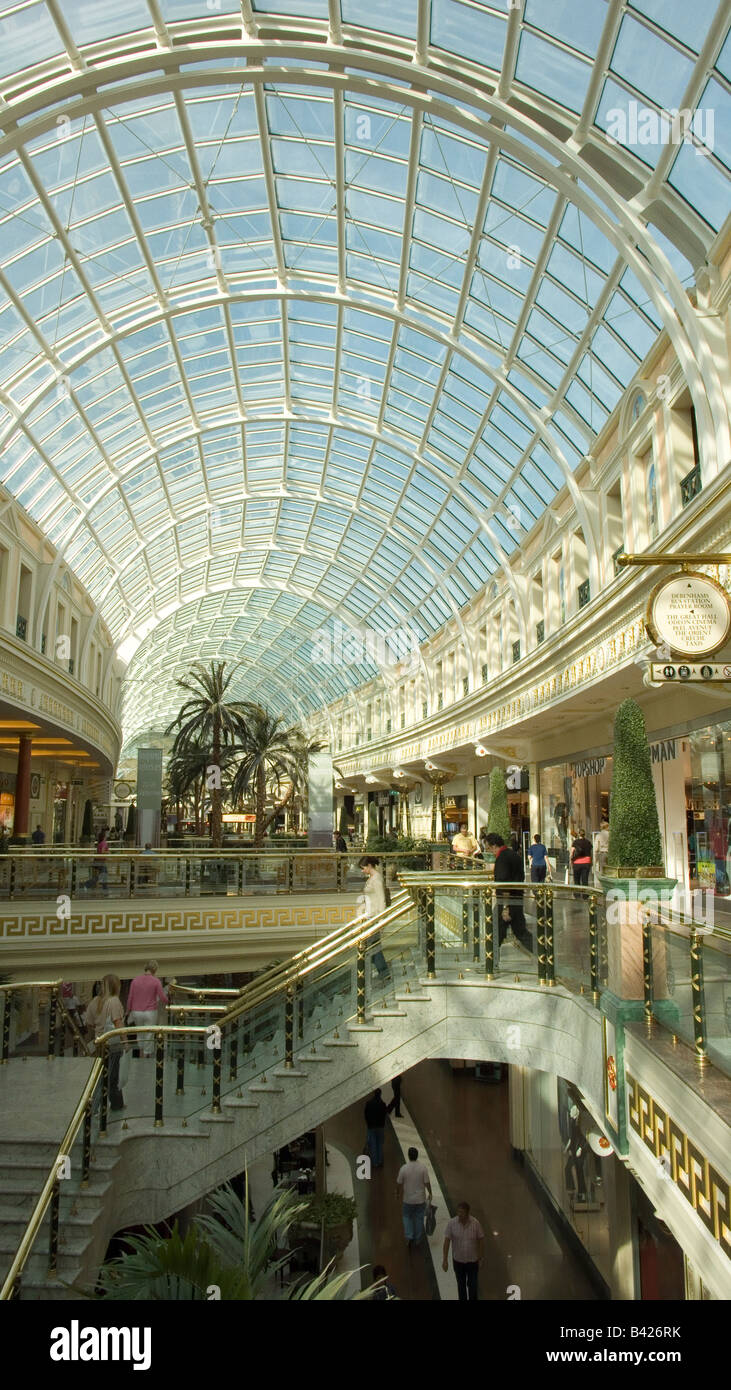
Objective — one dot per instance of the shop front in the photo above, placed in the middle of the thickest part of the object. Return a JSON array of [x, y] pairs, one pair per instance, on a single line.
[[692, 774]]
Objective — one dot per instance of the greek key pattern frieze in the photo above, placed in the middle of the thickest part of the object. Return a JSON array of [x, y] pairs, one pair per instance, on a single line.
[[27, 926], [707, 1190]]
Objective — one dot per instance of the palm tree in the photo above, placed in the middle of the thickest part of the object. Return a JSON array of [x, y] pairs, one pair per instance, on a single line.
[[185, 777], [224, 1251], [209, 719], [272, 756]]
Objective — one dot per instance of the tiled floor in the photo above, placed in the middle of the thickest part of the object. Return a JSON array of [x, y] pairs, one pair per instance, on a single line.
[[464, 1126]]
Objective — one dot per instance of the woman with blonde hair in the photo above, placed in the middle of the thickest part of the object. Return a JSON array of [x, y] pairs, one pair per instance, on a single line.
[[104, 1013], [145, 994]]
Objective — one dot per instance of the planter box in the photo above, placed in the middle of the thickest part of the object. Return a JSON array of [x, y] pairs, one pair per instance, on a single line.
[[625, 913]]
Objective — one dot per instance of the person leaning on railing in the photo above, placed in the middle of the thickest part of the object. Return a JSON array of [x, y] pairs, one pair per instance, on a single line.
[[465, 848]]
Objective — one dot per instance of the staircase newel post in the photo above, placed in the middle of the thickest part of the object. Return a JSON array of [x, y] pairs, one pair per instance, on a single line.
[[240, 873], [431, 944], [594, 947], [216, 1086], [104, 1101], [187, 876], [541, 933], [550, 961], [52, 1022], [289, 1028], [53, 1229], [233, 1056], [698, 995], [465, 921], [290, 873], [132, 875], [474, 900], [159, 1076], [86, 1147], [360, 982], [490, 911], [648, 983], [7, 1011]]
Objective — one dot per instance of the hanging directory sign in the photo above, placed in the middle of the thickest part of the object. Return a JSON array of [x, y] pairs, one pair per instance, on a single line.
[[690, 614]]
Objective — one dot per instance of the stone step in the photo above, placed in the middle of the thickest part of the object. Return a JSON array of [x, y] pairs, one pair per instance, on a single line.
[[72, 1242], [12, 1219], [22, 1190]]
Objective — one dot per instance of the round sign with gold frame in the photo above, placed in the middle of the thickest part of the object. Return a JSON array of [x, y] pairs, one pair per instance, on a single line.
[[690, 614]]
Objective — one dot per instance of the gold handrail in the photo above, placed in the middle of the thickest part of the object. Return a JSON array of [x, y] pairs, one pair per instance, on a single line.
[[39, 1211], [34, 984], [191, 989]]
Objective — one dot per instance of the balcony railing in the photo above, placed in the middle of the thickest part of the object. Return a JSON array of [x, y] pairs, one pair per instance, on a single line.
[[584, 593], [691, 485], [516, 651], [540, 631], [84, 875], [21, 628]]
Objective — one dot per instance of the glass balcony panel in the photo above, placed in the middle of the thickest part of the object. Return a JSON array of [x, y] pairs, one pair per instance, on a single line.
[[673, 997], [571, 948]]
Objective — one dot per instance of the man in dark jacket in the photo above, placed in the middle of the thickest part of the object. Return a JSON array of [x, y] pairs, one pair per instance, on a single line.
[[375, 1112], [509, 868]]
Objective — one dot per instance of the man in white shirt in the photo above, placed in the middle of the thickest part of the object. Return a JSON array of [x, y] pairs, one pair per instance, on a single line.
[[414, 1188]]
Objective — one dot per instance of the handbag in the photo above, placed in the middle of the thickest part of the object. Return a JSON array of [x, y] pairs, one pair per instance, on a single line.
[[430, 1219]]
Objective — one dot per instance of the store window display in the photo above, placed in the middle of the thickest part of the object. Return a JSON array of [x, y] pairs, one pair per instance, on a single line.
[[569, 1153]]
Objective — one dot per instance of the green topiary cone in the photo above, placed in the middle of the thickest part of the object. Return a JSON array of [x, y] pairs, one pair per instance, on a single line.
[[634, 829], [498, 817]]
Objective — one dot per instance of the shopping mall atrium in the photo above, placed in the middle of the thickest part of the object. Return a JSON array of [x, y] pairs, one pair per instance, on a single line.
[[365, 369]]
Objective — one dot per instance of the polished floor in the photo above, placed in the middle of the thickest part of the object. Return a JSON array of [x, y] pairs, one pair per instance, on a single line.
[[464, 1126]]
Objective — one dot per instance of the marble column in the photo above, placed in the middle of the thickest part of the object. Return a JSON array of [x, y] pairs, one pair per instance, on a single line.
[[22, 788]]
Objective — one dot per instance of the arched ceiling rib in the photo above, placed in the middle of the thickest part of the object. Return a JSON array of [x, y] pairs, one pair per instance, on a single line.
[[296, 312]]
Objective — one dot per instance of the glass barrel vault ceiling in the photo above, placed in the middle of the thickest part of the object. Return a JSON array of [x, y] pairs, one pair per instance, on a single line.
[[306, 322]]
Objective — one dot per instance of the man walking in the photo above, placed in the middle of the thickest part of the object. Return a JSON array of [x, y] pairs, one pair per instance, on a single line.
[[468, 1241], [395, 1103], [537, 855], [509, 869], [375, 1112], [414, 1187]]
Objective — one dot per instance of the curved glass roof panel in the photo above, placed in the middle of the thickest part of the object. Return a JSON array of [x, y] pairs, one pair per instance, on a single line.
[[290, 344]]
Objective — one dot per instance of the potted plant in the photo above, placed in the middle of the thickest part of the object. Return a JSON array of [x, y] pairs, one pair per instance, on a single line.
[[634, 879], [337, 1212]]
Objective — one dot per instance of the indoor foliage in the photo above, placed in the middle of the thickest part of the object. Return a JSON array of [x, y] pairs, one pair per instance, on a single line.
[[634, 829]]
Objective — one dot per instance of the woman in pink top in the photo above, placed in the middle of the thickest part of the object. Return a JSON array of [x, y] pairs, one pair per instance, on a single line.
[[145, 993]]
